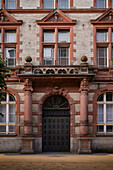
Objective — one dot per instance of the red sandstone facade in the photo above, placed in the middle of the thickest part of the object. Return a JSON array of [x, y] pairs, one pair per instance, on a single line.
[[58, 106]]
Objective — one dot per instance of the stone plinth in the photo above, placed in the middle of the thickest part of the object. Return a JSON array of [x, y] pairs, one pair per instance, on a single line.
[[27, 145], [84, 145]]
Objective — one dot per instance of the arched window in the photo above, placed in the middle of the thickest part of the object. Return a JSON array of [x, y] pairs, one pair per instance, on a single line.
[[8, 108], [105, 113]]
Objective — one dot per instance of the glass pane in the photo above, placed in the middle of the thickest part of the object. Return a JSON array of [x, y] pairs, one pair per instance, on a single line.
[[102, 56], [100, 128], [11, 57], [48, 4], [102, 35], [48, 56], [12, 109], [10, 4], [11, 128], [3, 111], [10, 36], [109, 129], [63, 58], [101, 98], [112, 3], [109, 113], [48, 36], [63, 4], [112, 56], [11, 97], [100, 113], [0, 4], [109, 96], [101, 3], [63, 36], [2, 128]]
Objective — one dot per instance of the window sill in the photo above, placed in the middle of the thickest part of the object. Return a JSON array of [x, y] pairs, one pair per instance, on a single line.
[[8, 135]]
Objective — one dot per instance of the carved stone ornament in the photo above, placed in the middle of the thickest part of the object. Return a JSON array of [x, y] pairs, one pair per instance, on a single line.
[[108, 17], [56, 91], [28, 85], [3, 18], [84, 85], [55, 18]]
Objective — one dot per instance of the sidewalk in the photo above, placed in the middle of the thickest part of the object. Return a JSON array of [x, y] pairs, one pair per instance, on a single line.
[[56, 161]]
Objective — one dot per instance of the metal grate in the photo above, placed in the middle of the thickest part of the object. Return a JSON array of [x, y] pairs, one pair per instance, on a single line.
[[56, 124]]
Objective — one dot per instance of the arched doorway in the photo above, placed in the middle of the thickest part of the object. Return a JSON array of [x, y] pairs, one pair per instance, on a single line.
[[56, 124]]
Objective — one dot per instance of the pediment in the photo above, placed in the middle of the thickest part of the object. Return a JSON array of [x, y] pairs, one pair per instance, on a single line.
[[56, 16], [106, 17], [7, 19]]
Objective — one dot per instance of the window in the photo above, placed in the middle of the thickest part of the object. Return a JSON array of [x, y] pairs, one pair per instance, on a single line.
[[112, 3], [9, 4], [8, 108], [102, 47], [56, 44], [61, 4], [105, 113], [101, 3], [9, 43]]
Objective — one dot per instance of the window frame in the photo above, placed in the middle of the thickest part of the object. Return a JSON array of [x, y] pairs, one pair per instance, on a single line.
[[108, 4], [56, 4], [17, 5], [5, 45], [7, 123], [104, 124], [109, 44], [56, 44]]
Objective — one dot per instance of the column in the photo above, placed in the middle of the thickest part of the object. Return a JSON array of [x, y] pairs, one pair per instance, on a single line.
[[84, 107], [27, 139], [28, 107], [84, 141]]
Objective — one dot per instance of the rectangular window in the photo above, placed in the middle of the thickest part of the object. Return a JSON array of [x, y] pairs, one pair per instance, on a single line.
[[48, 55], [100, 113], [102, 56], [48, 36], [48, 4], [102, 35], [0, 36], [10, 36], [10, 4], [11, 57], [101, 4], [63, 4], [63, 36], [112, 3], [63, 58]]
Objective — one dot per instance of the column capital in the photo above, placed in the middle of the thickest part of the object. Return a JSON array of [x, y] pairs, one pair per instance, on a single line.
[[28, 85], [84, 85]]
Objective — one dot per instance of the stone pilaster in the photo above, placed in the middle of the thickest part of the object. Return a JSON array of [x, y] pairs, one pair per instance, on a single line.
[[27, 139], [84, 140]]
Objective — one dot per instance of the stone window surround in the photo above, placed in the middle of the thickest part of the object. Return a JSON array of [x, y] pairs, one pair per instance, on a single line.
[[4, 44], [105, 124], [109, 43], [56, 3], [3, 4], [55, 44], [109, 3]]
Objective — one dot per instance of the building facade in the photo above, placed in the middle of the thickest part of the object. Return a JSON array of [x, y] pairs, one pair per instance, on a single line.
[[60, 101]]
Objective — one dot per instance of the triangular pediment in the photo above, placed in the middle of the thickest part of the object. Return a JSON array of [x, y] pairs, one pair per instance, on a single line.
[[6, 18], [56, 16], [105, 18]]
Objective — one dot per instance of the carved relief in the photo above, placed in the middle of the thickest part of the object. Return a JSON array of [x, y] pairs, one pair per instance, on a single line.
[[28, 85], [3, 18], [84, 85], [55, 18], [108, 17]]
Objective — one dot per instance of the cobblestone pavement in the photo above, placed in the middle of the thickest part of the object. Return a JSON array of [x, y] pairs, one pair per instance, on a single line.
[[56, 161]]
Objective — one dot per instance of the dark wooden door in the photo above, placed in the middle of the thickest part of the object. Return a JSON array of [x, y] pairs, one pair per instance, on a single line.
[[56, 125]]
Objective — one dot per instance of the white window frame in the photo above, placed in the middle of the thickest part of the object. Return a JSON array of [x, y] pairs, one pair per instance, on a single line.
[[105, 1], [7, 4], [105, 124], [8, 57], [99, 46], [7, 124]]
